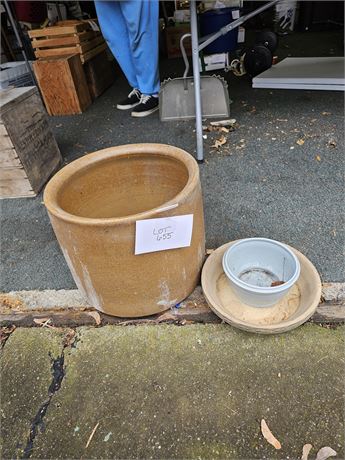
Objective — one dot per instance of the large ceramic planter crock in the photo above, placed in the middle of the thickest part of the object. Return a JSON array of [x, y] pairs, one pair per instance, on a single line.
[[94, 203]]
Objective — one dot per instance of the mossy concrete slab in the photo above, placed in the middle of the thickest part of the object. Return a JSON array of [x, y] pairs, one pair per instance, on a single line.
[[196, 392], [26, 374]]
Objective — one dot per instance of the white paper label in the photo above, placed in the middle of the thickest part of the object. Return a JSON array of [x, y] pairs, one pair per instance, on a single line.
[[153, 235], [235, 14]]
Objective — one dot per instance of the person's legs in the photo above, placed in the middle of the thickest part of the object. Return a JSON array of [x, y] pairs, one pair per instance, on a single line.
[[114, 30], [142, 20]]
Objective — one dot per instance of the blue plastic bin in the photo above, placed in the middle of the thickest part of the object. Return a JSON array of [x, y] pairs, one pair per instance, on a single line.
[[213, 20]]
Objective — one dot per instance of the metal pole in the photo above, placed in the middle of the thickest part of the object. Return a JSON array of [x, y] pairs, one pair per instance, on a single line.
[[224, 30], [19, 40], [196, 75]]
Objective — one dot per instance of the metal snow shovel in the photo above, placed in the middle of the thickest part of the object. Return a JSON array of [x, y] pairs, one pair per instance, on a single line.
[[177, 101], [177, 96]]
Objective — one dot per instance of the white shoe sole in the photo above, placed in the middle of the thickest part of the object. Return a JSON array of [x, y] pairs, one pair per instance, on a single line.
[[127, 107], [144, 114]]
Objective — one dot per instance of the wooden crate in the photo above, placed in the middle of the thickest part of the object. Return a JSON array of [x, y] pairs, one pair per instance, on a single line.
[[63, 85], [68, 37], [100, 73], [172, 38], [28, 151]]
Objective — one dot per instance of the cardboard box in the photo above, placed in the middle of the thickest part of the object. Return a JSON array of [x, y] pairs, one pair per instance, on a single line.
[[182, 15], [215, 61], [172, 36]]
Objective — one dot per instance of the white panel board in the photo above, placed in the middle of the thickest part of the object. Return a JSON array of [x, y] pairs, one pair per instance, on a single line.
[[325, 73], [300, 86]]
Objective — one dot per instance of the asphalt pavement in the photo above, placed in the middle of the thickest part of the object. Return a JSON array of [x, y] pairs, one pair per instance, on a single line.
[[279, 175]]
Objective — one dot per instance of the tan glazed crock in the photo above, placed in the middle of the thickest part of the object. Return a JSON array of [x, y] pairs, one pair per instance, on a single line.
[[94, 203]]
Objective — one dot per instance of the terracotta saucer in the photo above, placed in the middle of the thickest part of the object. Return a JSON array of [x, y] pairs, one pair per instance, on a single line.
[[293, 310]]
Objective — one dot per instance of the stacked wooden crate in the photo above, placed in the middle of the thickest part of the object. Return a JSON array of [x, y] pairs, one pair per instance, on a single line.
[[72, 66], [63, 84], [66, 38], [29, 154]]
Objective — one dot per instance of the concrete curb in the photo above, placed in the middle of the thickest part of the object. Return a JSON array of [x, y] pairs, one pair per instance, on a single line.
[[68, 308]]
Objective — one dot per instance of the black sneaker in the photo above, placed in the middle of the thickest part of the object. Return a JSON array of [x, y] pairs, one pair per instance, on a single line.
[[148, 104], [131, 100]]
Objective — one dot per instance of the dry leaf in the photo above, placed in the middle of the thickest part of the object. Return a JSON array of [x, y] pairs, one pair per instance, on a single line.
[[69, 338], [277, 283], [241, 145], [44, 322], [267, 434], [318, 158], [91, 435], [326, 113], [218, 128], [127, 323], [305, 452], [325, 452], [5, 332], [332, 143], [10, 301], [300, 141], [185, 321], [166, 317], [96, 316], [219, 142]]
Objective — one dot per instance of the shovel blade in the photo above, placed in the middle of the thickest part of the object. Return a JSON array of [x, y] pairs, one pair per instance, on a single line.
[[177, 98]]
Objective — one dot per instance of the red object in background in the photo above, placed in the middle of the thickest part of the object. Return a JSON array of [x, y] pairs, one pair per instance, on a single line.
[[30, 11]]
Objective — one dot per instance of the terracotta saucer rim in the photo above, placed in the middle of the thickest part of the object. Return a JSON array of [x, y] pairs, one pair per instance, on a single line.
[[282, 326]]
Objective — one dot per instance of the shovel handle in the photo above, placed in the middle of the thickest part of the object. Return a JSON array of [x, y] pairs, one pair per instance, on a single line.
[[184, 54]]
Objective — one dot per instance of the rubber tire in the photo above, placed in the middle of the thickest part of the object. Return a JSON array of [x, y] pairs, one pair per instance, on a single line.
[[257, 59], [268, 39]]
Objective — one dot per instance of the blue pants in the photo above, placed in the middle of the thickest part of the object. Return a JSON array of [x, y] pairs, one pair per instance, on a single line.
[[130, 27]]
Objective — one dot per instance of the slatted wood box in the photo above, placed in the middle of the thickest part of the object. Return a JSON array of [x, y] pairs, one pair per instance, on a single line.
[[67, 37], [63, 84], [100, 73], [29, 154]]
